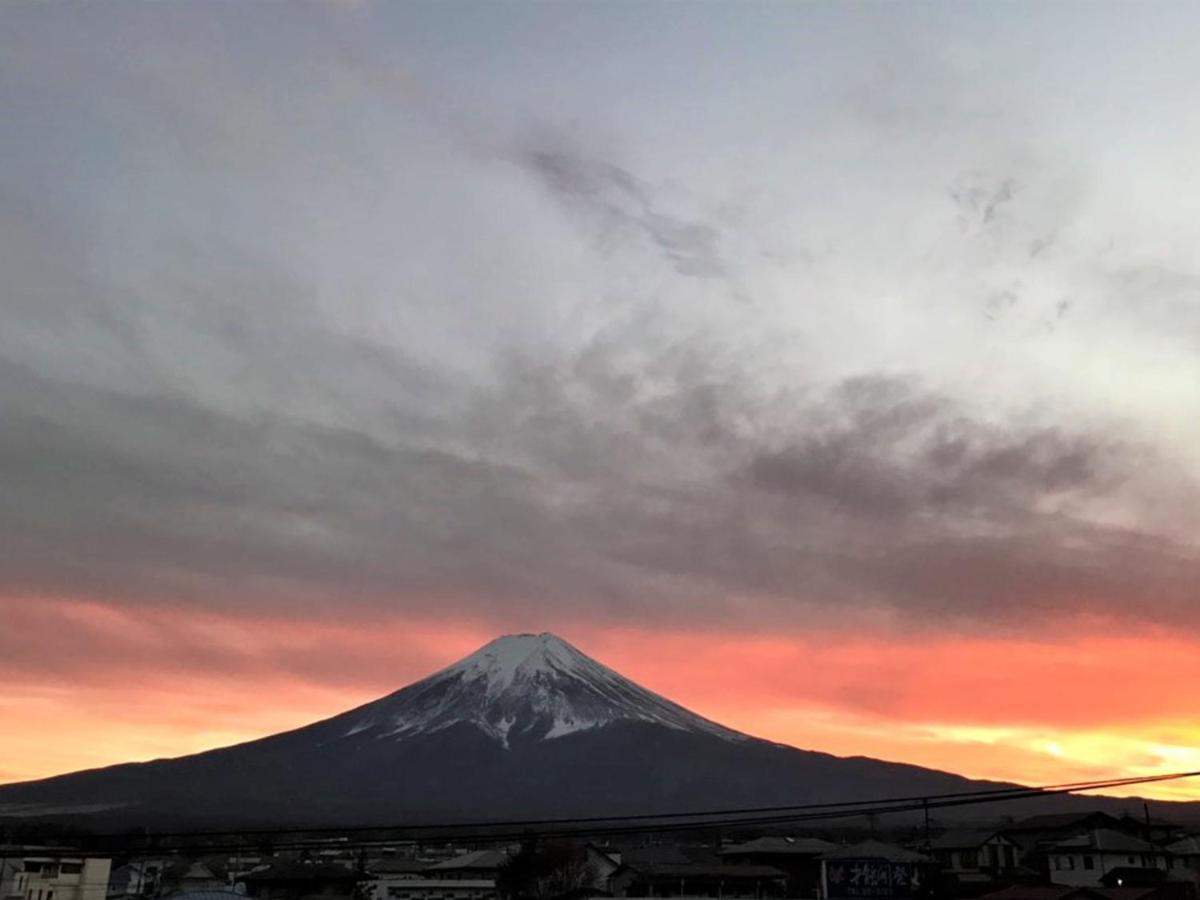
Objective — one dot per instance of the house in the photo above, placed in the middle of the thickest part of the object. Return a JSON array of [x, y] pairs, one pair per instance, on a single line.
[[1085, 858], [198, 876], [778, 848], [604, 863], [1039, 831], [144, 877], [240, 865], [392, 872], [1134, 876], [131, 880], [397, 867], [468, 876], [1184, 856], [475, 866], [1066, 892], [52, 874], [168, 877], [208, 894], [692, 872], [8, 874], [1152, 828], [288, 880], [797, 858], [437, 889], [1043, 892], [975, 850]]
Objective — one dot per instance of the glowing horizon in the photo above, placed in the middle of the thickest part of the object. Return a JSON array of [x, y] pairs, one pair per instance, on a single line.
[[830, 369], [845, 695]]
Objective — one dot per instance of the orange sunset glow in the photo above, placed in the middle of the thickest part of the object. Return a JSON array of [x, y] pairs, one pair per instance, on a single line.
[[830, 371], [1021, 711]]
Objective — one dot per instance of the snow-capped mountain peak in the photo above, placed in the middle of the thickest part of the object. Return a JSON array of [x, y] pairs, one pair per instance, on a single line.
[[519, 657], [523, 687]]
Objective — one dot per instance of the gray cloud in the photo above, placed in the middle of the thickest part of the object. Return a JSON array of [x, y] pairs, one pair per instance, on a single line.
[[588, 485], [621, 204], [980, 202], [315, 351], [882, 446]]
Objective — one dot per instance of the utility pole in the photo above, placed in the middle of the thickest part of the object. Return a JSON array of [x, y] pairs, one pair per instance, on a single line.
[[1150, 835]]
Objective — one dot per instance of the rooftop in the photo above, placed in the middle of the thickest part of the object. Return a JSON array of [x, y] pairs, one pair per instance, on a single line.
[[1052, 821], [1062, 892], [397, 865], [284, 870], [1187, 845], [1105, 840], [727, 871], [780, 846], [963, 839], [479, 859], [208, 894], [875, 850]]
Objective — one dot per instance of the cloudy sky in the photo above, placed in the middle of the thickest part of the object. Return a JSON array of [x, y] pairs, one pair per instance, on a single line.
[[833, 369]]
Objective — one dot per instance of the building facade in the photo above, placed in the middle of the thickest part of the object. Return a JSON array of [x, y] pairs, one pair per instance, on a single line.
[[1085, 859], [51, 875]]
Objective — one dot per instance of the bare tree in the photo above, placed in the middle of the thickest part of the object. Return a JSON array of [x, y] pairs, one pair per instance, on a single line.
[[547, 871]]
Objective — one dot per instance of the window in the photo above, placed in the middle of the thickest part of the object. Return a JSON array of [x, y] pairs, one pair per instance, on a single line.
[[1089, 862], [70, 868]]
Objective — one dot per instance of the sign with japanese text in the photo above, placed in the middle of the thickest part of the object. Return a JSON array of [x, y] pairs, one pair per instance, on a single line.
[[854, 878]]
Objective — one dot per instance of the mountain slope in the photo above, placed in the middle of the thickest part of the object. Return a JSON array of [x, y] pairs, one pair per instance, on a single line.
[[528, 726], [523, 687]]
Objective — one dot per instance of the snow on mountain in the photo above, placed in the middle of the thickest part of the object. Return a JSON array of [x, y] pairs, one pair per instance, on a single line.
[[527, 727], [523, 687]]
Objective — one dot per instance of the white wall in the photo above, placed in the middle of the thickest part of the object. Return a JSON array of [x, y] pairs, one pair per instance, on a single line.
[[59, 881], [1070, 869]]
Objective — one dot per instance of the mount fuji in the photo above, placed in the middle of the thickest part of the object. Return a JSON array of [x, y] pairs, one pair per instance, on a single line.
[[527, 726], [524, 688]]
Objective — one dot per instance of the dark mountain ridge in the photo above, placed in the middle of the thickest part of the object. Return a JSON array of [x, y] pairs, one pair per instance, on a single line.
[[526, 727]]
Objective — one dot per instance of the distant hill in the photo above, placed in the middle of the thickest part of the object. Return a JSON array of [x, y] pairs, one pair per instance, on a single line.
[[527, 726]]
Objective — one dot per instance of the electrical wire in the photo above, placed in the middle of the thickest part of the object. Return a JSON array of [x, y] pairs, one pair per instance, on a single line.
[[299, 838]]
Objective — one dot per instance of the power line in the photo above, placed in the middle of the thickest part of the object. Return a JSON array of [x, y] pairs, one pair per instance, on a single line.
[[294, 838], [998, 793]]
